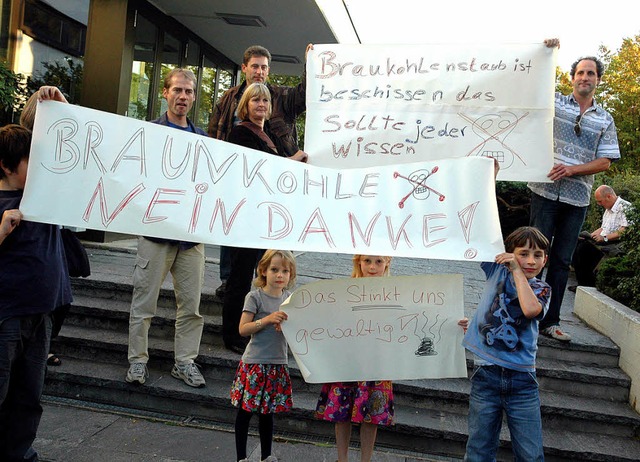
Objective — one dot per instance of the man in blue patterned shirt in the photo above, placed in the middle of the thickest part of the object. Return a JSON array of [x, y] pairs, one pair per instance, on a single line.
[[585, 142]]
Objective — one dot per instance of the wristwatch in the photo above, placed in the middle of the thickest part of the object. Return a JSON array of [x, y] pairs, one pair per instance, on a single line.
[[606, 239], [259, 324]]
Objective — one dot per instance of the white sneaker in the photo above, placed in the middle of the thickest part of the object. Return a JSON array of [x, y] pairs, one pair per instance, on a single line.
[[270, 459], [557, 333], [137, 373], [190, 374]]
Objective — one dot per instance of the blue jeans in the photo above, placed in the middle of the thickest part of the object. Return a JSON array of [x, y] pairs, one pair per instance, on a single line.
[[24, 345], [495, 390], [561, 224]]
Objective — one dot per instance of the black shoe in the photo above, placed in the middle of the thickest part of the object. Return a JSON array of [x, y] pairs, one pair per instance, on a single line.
[[221, 289], [53, 360], [572, 288]]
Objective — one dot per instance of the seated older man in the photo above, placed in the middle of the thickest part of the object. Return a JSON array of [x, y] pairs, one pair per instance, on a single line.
[[604, 241]]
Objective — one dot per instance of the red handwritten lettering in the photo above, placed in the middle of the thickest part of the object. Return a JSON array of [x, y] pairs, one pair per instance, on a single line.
[[106, 217], [139, 138], [287, 220], [155, 200], [322, 228]]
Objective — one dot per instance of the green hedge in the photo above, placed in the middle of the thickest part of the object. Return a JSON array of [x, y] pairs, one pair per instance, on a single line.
[[9, 92]]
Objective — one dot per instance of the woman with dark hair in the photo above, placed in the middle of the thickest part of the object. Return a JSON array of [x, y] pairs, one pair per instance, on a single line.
[[254, 110]]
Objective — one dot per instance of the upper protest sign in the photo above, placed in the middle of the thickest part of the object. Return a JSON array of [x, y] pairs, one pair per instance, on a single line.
[[384, 105]]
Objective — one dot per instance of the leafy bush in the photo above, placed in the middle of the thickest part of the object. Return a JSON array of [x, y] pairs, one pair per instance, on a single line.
[[66, 76], [15, 89], [514, 200], [12, 93], [619, 277]]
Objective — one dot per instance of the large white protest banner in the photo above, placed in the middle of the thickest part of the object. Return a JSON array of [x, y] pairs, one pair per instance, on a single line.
[[381, 105], [102, 171], [387, 328]]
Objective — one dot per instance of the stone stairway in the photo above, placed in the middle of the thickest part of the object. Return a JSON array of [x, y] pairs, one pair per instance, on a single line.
[[584, 394]]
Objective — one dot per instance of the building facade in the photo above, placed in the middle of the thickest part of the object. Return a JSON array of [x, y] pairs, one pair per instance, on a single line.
[[123, 48]]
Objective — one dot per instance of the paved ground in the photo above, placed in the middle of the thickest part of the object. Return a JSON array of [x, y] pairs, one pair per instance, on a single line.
[[71, 432]]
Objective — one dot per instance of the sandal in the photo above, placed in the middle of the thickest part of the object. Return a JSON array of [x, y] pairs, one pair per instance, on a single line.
[[53, 360]]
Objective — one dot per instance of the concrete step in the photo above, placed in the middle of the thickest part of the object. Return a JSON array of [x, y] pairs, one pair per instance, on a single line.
[[113, 315], [561, 410], [587, 347], [578, 379], [560, 376], [583, 393], [421, 430], [104, 383], [121, 292], [592, 378]]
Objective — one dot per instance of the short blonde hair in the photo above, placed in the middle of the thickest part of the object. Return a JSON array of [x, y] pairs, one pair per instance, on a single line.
[[253, 90], [265, 261], [357, 270]]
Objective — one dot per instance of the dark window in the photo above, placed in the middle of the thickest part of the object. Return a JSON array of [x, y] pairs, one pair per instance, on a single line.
[[5, 13], [49, 26]]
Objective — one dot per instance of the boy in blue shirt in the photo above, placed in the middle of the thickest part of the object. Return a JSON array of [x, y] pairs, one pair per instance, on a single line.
[[503, 336]]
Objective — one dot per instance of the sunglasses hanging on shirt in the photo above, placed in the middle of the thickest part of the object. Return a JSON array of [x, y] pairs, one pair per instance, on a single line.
[[577, 129]]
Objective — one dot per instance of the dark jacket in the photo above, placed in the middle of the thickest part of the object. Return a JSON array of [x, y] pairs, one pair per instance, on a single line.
[[286, 104], [243, 136], [33, 271]]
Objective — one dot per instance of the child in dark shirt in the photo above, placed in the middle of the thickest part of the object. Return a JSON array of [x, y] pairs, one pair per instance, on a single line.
[[33, 281]]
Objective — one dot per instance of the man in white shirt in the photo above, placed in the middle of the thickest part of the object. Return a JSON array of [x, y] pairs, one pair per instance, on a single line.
[[604, 241]]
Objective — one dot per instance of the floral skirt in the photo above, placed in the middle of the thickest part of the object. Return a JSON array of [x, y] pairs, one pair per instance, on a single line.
[[262, 388], [358, 402]]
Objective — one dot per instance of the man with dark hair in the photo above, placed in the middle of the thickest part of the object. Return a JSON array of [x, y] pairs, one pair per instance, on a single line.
[[286, 104], [585, 142], [157, 257]]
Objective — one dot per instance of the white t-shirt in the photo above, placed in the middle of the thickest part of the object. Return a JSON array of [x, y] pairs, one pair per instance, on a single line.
[[613, 219]]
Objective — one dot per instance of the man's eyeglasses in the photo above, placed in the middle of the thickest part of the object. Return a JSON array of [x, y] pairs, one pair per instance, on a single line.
[[577, 129]]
